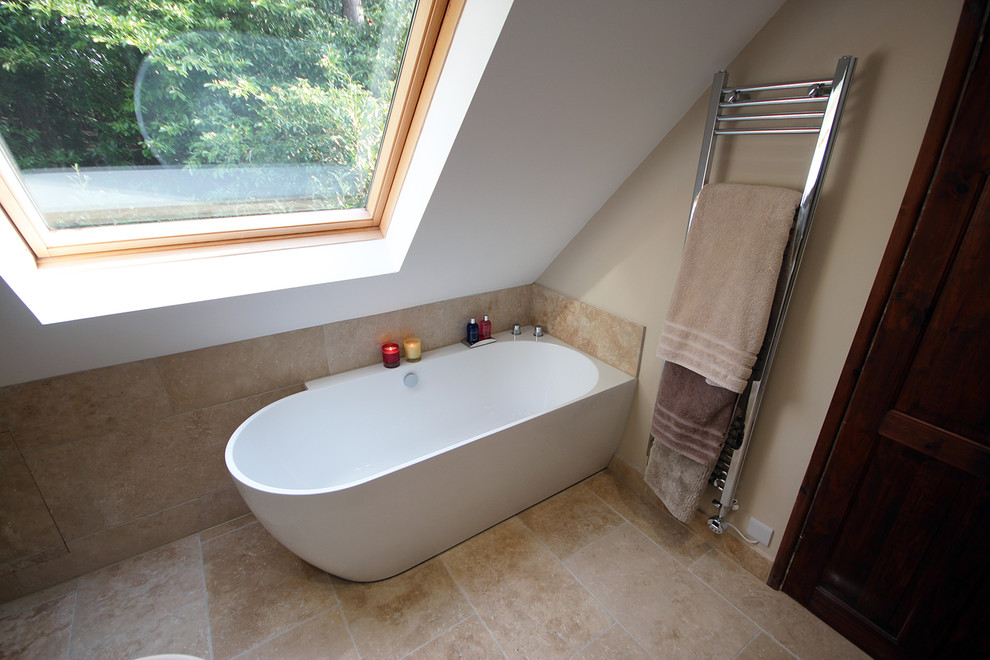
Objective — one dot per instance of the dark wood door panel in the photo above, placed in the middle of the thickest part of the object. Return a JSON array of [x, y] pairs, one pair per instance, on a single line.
[[949, 383], [892, 534]]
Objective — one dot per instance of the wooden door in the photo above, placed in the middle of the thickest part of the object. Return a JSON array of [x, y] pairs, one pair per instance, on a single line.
[[894, 551]]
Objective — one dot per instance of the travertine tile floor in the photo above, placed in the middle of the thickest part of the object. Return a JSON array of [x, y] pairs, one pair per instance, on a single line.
[[593, 572]]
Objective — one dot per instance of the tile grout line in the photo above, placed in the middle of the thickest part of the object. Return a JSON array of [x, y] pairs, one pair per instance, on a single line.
[[634, 526], [473, 608], [334, 603], [122, 633], [690, 572], [438, 636], [615, 619], [230, 531], [745, 646], [206, 597], [688, 568], [343, 616], [287, 631], [610, 532], [734, 606], [121, 561], [72, 625], [560, 561]]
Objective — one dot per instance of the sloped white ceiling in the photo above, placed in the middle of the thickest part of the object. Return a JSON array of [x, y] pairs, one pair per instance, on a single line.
[[576, 94]]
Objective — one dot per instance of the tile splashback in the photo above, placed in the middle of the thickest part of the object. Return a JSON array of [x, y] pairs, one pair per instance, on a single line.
[[103, 465]]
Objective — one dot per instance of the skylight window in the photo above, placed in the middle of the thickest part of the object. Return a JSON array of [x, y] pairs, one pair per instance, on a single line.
[[136, 125], [144, 274]]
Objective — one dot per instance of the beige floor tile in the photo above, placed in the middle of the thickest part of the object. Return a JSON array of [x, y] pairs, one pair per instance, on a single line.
[[615, 644], [764, 648], [257, 589], [528, 600], [468, 639], [13, 607], [665, 530], [135, 592], [182, 631], [666, 609], [392, 617], [324, 637], [38, 631], [570, 520], [794, 627]]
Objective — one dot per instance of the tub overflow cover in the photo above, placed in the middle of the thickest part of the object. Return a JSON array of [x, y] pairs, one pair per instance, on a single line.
[[410, 379]]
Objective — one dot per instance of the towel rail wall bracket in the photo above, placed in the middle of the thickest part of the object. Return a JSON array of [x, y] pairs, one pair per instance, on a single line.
[[805, 107]]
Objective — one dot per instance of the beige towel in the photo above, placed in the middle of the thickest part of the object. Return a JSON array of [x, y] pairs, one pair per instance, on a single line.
[[676, 479], [721, 303]]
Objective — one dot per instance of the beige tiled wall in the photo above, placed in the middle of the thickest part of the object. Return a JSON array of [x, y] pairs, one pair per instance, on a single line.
[[608, 337], [105, 464]]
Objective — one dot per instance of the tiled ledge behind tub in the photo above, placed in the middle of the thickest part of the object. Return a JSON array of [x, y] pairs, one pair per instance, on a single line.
[[608, 337], [102, 465]]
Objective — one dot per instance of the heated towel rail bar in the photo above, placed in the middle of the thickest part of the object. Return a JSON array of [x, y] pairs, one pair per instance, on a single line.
[[730, 107]]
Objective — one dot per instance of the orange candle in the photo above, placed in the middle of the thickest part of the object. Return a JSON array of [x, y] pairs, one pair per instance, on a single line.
[[414, 349]]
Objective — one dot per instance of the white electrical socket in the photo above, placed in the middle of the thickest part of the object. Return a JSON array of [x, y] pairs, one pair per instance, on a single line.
[[757, 530]]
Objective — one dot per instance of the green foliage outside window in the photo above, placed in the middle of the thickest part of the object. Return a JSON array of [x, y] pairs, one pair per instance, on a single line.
[[110, 83]]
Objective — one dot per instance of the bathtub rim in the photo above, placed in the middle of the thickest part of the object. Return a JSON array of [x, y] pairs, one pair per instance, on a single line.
[[608, 378]]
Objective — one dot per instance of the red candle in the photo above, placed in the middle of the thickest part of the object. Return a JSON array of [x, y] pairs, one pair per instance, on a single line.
[[390, 355]]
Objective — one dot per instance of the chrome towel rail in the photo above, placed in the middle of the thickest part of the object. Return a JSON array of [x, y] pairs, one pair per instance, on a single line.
[[732, 105]]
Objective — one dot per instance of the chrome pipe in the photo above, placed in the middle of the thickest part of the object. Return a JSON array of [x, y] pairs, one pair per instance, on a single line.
[[779, 101], [774, 116], [790, 85], [765, 131], [708, 143]]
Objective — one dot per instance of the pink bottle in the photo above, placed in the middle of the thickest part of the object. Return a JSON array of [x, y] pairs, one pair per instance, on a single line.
[[485, 328]]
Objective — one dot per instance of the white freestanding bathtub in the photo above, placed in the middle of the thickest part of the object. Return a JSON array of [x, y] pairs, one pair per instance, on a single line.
[[373, 471]]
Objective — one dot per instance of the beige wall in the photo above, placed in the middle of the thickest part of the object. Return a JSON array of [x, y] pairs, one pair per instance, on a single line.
[[626, 258], [101, 465]]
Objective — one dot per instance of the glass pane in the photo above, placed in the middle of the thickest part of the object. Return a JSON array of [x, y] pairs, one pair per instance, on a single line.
[[123, 111]]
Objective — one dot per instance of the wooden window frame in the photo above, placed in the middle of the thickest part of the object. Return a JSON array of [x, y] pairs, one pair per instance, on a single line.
[[431, 34]]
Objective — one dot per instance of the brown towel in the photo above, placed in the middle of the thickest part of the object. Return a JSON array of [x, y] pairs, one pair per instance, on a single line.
[[690, 421], [721, 303], [691, 416]]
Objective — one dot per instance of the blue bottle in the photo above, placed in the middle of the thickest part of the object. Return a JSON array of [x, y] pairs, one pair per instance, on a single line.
[[472, 332]]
